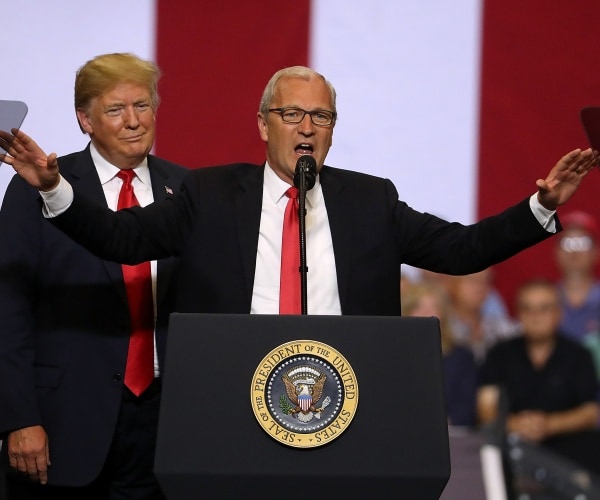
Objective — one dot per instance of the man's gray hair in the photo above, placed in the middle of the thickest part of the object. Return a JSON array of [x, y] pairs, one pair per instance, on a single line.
[[301, 72]]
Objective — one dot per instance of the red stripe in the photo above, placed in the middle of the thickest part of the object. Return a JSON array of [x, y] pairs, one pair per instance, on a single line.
[[216, 58], [539, 69]]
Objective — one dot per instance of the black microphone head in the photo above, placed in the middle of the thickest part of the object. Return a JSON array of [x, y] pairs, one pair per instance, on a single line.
[[306, 167]]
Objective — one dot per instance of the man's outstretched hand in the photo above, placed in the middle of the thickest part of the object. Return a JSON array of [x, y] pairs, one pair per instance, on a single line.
[[564, 179], [28, 160]]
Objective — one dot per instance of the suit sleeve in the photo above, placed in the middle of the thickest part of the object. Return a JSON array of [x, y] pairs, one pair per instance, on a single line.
[[20, 220], [429, 242], [133, 235]]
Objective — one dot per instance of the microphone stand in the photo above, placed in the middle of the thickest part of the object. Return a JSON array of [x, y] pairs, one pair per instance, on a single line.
[[304, 179], [302, 225]]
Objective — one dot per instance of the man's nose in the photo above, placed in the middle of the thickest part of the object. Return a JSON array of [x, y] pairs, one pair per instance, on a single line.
[[306, 126], [130, 117]]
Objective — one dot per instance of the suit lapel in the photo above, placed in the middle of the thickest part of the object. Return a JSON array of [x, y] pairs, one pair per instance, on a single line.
[[84, 177], [248, 207], [341, 213], [161, 190]]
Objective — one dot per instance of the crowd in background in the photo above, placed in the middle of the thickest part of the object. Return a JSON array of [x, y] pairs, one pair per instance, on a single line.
[[541, 359]]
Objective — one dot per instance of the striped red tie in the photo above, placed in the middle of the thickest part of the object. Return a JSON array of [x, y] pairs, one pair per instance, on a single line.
[[289, 285], [139, 371]]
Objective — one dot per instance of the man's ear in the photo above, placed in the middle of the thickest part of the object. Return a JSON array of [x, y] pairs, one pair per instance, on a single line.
[[263, 127], [84, 121]]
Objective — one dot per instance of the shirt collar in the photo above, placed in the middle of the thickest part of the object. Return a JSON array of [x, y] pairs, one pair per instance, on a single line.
[[107, 171], [276, 188]]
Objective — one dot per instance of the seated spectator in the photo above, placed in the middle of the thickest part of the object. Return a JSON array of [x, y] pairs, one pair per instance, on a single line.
[[472, 326], [548, 379], [493, 305], [576, 256], [460, 374]]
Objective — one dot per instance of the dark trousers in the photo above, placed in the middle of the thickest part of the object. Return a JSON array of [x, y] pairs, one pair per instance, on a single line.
[[127, 473]]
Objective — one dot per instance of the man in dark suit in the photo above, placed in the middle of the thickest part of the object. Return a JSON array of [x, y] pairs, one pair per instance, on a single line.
[[72, 428], [226, 225]]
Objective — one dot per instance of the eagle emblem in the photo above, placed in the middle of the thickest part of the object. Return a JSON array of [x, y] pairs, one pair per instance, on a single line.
[[304, 388]]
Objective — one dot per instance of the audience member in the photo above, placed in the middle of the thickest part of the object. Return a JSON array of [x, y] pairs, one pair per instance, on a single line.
[[548, 379], [460, 373], [493, 305], [471, 327], [576, 256]]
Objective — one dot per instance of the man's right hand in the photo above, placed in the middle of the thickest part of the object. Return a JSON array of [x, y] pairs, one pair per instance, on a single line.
[[29, 160], [28, 452]]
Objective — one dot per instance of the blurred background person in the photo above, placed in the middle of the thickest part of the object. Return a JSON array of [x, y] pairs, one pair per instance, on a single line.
[[548, 379], [493, 306], [460, 374], [576, 257], [473, 325]]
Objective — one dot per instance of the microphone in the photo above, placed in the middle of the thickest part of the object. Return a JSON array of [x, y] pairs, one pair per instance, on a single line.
[[305, 177], [306, 170]]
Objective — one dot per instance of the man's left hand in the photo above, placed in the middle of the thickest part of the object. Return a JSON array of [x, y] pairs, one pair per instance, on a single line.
[[564, 179]]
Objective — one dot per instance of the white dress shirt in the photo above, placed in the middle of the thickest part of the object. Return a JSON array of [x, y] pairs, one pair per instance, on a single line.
[[321, 279], [142, 187]]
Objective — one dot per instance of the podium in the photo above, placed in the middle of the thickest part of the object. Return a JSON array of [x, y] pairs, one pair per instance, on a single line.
[[210, 443]]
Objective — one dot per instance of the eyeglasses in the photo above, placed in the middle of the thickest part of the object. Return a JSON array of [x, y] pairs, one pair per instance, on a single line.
[[319, 117], [544, 308], [576, 244]]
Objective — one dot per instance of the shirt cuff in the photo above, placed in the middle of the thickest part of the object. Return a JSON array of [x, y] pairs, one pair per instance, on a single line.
[[544, 216], [57, 200]]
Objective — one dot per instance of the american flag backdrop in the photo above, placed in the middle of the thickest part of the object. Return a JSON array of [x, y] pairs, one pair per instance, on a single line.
[[462, 104]]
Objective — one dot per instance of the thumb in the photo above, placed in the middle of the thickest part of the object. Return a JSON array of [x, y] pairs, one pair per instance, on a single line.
[[52, 161], [542, 185]]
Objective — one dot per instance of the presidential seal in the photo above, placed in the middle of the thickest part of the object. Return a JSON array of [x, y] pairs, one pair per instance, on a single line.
[[304, 393]]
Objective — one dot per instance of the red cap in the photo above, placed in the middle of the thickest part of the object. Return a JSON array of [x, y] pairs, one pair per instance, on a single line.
[[580, 220]]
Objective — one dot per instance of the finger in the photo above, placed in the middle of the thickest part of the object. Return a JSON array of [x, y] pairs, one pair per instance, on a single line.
[[571, 156], [542, 185], [585, 164], [567, 161], [23, 141], [5, 136], [21, 464], [4, 158], [32, 469], [42, 468], [52, 160], [22, 136]]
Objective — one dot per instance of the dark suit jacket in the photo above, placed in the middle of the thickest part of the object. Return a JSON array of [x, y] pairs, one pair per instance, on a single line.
[[64, 324], [214, 227]]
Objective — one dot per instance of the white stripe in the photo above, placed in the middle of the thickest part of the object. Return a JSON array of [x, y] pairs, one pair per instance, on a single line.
[[407, 78], [44, 43]]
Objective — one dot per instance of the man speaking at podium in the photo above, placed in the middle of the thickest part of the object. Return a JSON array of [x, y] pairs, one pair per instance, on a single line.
[[227, 222]]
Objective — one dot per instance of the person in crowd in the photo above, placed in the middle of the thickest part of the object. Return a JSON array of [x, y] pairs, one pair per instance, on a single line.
[[576, 257], [493, 307], [460, 372], [472, 327], [82, 342], [548, 380], [229, 227]]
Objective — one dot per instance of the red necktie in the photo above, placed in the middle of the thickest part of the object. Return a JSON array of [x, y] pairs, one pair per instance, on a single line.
[[289, 284], [139, 371]]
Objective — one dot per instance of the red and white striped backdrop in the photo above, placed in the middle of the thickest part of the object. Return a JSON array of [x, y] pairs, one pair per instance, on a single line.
[[462, 104]]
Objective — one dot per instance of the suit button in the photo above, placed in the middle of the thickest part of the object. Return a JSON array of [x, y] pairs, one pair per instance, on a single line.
[[116, 377]]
